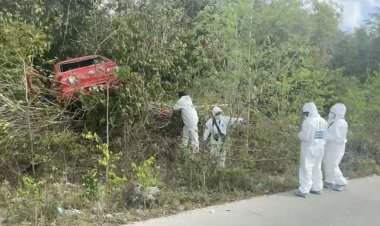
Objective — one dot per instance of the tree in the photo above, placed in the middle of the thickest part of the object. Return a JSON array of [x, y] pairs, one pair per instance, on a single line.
[[20, 43]]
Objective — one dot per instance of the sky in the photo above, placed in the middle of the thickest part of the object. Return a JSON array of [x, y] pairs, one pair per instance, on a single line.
[[356, 12]]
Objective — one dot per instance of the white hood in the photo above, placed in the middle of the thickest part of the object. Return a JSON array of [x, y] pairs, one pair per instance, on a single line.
[[311, 108], [216, 110], [339, 110]]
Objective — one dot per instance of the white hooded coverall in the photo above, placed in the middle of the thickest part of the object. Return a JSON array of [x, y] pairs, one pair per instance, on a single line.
[[217, 143], [312, 138], [335, 146], [190, 119]]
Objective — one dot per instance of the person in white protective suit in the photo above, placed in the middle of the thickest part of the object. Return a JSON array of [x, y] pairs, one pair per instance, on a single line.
[[312, 138], [190, 119], [216, 129], [334, 149]]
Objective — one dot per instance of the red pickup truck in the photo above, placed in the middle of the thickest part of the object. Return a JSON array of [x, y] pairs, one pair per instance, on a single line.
[[84, 74]]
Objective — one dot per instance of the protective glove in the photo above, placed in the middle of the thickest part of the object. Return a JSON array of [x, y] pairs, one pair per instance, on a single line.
[[204, 144]]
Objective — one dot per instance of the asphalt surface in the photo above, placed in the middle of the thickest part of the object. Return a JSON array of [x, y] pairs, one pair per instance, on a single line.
[[359, 205]]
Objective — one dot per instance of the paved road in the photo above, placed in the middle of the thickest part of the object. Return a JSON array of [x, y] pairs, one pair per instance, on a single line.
[[358, 206]]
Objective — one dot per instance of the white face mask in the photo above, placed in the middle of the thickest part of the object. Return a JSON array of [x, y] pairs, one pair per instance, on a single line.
[[331, 116], [218, 117]]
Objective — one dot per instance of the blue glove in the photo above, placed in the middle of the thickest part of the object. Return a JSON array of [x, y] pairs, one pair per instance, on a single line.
[[205, 142]]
